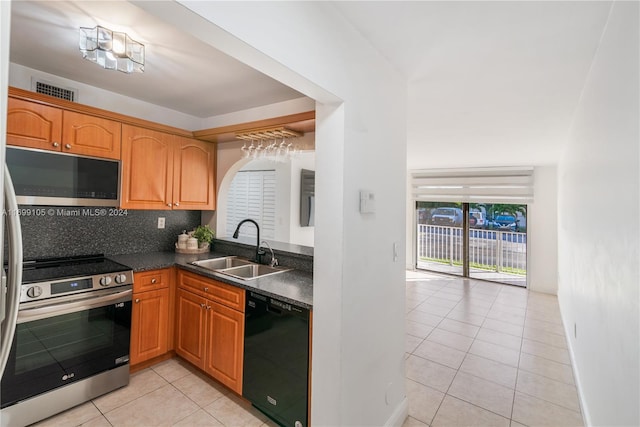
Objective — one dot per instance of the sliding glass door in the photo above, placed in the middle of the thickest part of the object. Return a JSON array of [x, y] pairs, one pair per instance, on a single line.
[[478, 240], [440, 243], [498, 244]]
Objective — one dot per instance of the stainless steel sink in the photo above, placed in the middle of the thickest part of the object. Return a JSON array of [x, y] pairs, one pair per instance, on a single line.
[[221, 263], [252, 271], [238, 267]]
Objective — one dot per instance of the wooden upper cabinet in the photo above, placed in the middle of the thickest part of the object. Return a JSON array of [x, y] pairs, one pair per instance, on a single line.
[[90, 136], [147, 169], [159, 170], [163, 171], [193, 180], [33, 125]]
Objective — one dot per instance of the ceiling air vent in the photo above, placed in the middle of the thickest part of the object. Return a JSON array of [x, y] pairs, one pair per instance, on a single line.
[[46, 88]]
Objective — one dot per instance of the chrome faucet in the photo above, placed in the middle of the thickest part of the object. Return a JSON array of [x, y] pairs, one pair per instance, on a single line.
[[274, 261], [259, 253]]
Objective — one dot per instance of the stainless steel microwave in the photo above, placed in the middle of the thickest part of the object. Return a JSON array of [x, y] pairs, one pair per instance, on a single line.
[[59, 179]]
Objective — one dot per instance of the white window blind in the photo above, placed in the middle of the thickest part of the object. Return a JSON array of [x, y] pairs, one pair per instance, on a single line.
[[252, 194], [474, 185]]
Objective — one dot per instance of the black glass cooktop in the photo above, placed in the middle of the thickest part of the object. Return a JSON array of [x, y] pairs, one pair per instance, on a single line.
[[48, 269]]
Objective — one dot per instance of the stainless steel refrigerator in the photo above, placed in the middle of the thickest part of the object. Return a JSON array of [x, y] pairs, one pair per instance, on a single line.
[[12, 271]]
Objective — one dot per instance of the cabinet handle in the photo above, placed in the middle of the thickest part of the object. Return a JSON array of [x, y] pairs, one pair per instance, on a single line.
[[137, 300], [169, 204], [153, 281], [208, 307], [67, 146], [206, 289], [55, 144], [176, 204], [203, 305]]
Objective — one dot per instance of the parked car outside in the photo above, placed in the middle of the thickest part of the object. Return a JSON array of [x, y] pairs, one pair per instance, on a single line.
[[450, 217], [505, 222], [477, 219]]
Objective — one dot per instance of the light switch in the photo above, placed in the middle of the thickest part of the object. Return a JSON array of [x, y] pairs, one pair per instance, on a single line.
[[367, 202]]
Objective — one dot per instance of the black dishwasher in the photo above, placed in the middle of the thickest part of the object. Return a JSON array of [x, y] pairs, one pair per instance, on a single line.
[[276, 359]]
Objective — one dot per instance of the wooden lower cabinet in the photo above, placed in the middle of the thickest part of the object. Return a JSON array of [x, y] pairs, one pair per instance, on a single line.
[[149, 323], [225, 345], [191, 327], [210, 336], [152, 314]]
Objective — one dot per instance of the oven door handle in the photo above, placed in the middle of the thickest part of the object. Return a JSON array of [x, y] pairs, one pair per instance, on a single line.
[[30, 314]]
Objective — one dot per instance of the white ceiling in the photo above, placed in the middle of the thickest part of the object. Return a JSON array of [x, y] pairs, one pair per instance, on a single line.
[[181, 73], [490, 83]]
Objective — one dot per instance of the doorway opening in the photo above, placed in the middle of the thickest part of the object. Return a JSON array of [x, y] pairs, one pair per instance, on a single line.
[[484, 241]]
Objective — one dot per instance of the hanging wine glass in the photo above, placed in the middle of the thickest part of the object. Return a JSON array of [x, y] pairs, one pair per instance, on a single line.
[[259, 150]]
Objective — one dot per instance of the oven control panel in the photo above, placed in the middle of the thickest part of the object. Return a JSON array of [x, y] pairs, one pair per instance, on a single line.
[[55, 288]]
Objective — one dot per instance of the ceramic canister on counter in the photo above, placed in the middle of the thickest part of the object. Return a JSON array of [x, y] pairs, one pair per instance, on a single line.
[[182, 240], [192, 243]]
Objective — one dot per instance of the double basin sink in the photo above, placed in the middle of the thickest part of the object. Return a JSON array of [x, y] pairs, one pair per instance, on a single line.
[[238, 267]]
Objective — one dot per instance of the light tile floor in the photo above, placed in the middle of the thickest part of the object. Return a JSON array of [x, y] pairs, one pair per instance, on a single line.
[[478, 354], [171, 393], [485, 354]]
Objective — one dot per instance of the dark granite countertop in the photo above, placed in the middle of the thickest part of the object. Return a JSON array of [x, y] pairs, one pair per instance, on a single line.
[[295, 286]]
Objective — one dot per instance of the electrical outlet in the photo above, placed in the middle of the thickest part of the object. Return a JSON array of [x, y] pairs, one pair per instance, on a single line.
[[161, 222]]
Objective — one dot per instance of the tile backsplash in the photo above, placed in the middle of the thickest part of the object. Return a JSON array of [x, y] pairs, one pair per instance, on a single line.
[[49, 231]]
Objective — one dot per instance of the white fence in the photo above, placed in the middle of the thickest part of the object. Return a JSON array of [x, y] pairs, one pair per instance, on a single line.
[[493, 250]]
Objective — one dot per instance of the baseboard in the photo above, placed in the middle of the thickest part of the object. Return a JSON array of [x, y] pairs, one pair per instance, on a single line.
[[574, 367], [399, 415]]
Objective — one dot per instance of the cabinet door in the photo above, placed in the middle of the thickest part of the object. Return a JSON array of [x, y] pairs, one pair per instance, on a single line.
[[33, 125], [225, 345], [147, 170], [149, 325], [190, 327], [193, 174], [90, 136]]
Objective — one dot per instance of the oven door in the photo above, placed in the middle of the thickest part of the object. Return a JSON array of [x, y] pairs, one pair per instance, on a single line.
[[57, 344]]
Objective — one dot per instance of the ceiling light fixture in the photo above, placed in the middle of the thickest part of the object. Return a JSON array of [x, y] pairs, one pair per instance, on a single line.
[[111, 49]]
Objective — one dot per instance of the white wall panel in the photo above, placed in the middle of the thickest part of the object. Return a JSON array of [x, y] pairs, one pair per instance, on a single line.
[[599, 231]]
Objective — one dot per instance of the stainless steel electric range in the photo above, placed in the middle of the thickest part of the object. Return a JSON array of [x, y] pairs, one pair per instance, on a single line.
[[72, 337]]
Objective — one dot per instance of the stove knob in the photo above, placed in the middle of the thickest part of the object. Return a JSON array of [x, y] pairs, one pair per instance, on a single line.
[[121, 278], [34, 292], [105, 281]]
